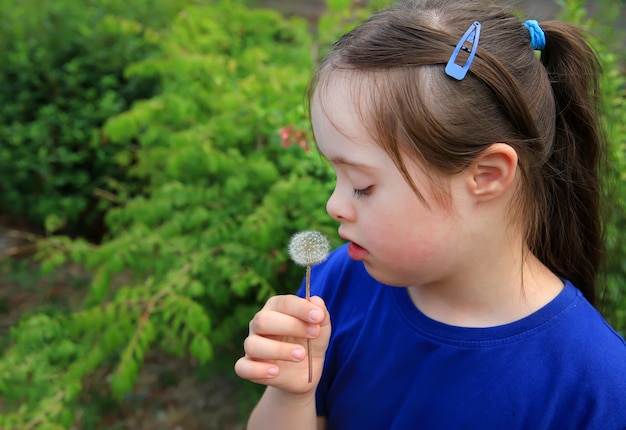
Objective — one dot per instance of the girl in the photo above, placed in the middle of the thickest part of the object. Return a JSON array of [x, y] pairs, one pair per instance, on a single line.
[[467, 176]]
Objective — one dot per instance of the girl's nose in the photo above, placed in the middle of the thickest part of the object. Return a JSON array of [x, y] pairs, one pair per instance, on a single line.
[[339, 207]]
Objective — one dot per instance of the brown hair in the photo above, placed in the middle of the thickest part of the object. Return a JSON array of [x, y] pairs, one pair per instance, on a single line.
[[546, 109]]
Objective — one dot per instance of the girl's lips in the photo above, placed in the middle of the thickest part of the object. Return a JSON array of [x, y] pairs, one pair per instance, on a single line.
[[356, 252]]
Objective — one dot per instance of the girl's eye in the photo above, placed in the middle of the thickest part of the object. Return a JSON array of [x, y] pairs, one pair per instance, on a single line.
[[363, 192]]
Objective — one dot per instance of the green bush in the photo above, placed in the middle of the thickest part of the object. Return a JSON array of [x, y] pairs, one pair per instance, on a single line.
[[61, 77], [223, 149]]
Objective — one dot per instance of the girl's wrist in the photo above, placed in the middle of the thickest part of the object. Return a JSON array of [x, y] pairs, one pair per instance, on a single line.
[[292, 400]]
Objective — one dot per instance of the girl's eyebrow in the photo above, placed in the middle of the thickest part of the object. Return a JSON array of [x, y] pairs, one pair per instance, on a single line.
[[340, 161]]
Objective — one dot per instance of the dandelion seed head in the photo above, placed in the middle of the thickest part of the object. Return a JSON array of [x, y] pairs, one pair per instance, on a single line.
[[308, 248]]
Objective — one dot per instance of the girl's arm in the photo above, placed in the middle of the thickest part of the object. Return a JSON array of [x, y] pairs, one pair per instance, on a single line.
[[281, 410], [275, 355]]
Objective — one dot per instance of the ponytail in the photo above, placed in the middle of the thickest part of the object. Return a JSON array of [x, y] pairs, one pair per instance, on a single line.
[[572, 241]]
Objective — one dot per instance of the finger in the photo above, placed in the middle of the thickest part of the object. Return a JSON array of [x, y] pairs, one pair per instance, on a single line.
[[273, 323], [263, 348], [297, 307], [255, 370], [324, 318]]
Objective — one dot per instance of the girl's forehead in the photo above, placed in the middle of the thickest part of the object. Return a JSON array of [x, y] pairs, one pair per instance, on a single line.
[[332, 95], [334, 113], [341, 99], [340, 132]]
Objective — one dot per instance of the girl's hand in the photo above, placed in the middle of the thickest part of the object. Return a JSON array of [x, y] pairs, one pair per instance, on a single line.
[[275, 349]]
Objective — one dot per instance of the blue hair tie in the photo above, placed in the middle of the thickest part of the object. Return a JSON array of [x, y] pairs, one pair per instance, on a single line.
[[537, 36]]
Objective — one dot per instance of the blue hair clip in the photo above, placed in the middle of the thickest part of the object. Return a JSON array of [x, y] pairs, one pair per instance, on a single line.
[[472, 35], [537, 36]]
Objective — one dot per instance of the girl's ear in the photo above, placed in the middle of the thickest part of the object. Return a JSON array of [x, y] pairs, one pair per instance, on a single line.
[[492, 172]]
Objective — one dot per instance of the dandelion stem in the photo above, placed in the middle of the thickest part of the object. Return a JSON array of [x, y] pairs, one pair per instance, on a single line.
[[308, 341], [308, 282]]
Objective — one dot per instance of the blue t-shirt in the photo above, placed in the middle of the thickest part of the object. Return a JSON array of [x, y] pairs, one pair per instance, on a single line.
[[389, 366]]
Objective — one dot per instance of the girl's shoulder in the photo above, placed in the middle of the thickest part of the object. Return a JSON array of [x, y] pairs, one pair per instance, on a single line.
[[585, 326]]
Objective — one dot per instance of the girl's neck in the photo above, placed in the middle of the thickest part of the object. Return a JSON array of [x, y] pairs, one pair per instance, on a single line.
[[503, 296]]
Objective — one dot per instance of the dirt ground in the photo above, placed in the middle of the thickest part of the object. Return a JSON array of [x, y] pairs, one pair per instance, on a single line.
[[170, 393]]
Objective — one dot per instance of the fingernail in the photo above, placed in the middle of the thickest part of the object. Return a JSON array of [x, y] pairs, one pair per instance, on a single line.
[[272, 371], [298, 354], [314, 315], [311, 331]]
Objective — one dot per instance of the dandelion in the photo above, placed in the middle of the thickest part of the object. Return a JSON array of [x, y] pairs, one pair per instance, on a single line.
[[307, 249]]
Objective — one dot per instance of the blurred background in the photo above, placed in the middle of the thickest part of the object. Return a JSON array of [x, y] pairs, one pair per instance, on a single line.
[[155, 159]]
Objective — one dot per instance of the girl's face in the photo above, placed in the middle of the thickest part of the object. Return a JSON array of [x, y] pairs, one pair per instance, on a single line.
[[401, 241]]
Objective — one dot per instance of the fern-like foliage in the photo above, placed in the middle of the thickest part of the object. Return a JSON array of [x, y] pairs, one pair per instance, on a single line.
[[205, 242]]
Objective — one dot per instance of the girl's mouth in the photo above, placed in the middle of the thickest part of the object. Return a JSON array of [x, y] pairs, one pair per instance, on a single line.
[[356, 252]]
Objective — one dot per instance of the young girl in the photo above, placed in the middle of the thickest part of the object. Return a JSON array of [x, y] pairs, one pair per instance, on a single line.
[[467, 176]]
